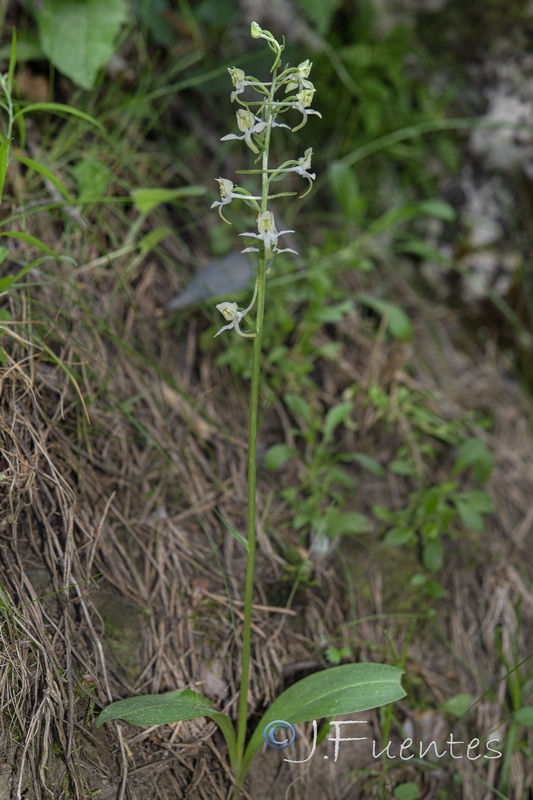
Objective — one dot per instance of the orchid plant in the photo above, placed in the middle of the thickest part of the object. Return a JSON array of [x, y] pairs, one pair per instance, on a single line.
[[340, 690]]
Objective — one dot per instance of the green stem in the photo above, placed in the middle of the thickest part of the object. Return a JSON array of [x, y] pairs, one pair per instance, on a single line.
[[252, 480], [252, 470]]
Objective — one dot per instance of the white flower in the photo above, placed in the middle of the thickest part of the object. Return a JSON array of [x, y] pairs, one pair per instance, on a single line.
[[305, 164], [303, 101], [238, 78], [230, 311], [268, 234], [229, 192], [299, 76], [248, 123], [300, 167]]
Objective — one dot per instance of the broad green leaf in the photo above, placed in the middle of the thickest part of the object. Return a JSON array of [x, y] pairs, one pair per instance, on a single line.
[[79, 37], [31, 240], [58, 108], [330, 693], [4, 152], [162, 709], [145, 200], [335, 417], [277, 455], [45, 172], [158, 709]]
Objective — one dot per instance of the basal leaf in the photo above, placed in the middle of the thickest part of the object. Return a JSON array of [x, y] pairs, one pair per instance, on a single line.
[[161, 709], [158, 709], [330, 693]]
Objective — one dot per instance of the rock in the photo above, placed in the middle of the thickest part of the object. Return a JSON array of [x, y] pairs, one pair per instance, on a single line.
[[221, 277]]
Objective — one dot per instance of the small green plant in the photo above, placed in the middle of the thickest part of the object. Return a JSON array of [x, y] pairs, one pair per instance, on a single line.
[[342, 689], [14, 117], [435, 511], [318, 500], [15, 113]]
